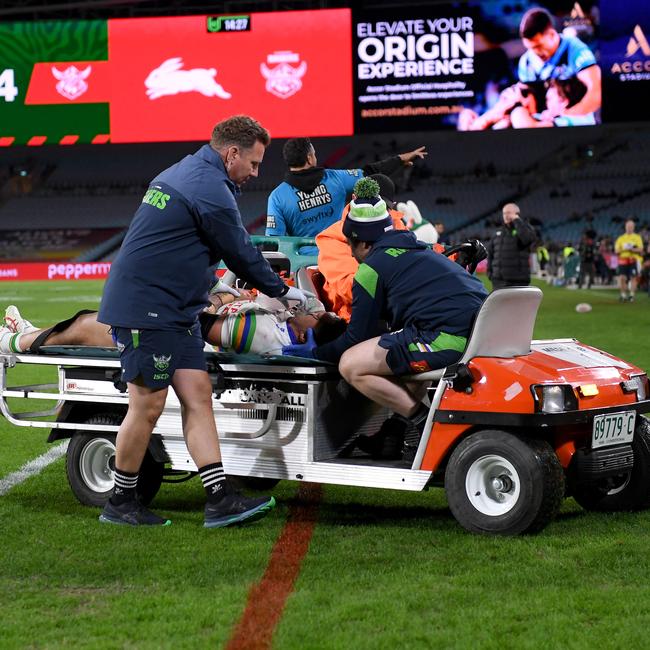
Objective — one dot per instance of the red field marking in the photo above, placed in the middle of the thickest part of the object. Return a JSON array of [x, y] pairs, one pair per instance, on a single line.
[[267, 598], [69, 139], [36, 140], [102, 138], [6, 141]]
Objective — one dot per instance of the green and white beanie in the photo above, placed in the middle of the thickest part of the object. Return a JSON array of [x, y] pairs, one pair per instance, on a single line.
[[368, 218]]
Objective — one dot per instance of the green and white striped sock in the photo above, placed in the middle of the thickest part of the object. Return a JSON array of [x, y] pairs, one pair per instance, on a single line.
[[9, 341]]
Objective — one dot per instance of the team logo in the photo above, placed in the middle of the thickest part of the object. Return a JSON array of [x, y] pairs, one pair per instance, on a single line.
[[161, 362], [284, 79], [637, 42], [169, 78], [578, 23], [72, 81], [636, 64], [577, 12], [419, 366]]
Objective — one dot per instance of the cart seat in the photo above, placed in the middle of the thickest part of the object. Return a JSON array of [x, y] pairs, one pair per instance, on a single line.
[[503, 327]]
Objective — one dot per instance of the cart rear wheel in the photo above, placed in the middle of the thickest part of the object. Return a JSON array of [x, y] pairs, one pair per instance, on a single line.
[[628, 491], [499, 483], [90, 464]]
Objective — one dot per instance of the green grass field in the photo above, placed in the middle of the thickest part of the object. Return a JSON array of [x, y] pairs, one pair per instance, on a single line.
[[385, 569]]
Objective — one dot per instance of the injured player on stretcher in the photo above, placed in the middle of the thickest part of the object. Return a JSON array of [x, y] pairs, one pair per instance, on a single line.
[[243, 325]]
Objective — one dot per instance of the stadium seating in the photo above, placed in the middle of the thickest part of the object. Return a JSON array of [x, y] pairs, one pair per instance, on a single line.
[[564, 180]]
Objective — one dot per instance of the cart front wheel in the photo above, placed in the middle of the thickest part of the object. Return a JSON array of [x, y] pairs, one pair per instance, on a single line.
[[502, 484]]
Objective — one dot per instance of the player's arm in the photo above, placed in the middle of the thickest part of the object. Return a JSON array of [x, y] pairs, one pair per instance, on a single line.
[[591, 77], [618, 246], [638, 249], [367, 296], [526, 234], [391, 165], [218, 218], [522, 119]]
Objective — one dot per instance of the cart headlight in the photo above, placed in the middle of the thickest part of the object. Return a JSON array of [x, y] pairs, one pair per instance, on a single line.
[[637, 384], [555, 398]]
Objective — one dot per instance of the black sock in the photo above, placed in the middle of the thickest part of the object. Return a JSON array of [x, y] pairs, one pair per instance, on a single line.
[[125, 484], [418, 419], [214, 481]]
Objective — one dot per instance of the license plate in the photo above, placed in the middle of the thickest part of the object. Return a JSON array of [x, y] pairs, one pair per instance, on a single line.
[[613, 429]]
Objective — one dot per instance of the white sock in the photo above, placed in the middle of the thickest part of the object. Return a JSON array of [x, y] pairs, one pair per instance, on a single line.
[[10, 342]]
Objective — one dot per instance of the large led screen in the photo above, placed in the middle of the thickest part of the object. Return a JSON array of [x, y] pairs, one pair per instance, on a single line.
[[457, 66], [468, 66], [173, 78]]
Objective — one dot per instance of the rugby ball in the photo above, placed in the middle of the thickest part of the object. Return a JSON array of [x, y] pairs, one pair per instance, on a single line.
[[583, 307]]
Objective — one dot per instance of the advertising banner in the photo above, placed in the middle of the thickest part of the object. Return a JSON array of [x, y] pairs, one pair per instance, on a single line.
[[446, 66], [54, 271], [625, 60]]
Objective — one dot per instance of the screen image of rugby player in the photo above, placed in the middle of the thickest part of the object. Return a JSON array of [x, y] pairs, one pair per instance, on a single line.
[[174, 78], [420, 68]]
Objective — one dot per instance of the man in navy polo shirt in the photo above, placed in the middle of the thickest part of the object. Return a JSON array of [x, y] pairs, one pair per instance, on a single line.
[[187, 222]]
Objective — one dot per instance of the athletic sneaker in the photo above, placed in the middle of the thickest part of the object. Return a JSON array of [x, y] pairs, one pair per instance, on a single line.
[[131, 513], [16, 323], [387, 443], [235, 508]]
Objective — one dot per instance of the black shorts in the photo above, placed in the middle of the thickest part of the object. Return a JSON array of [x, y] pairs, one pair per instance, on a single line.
[[155, 355], [411, 351], [628, 270]]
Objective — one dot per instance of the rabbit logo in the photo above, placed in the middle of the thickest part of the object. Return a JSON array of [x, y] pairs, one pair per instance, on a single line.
[[72, 81], [283, 80], [169, 78]]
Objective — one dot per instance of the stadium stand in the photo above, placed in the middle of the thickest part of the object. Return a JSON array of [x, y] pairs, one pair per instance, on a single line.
[[565, 180]]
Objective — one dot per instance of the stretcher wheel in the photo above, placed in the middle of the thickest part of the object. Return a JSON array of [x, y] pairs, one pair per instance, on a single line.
[[627, 492], [90, 461], [501, 484]]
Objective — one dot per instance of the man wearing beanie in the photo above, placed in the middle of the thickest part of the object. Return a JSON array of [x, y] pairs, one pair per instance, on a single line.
[[428, 301], [334, 259]]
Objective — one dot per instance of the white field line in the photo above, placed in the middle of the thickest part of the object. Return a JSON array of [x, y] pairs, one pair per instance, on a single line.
[[32, 468]]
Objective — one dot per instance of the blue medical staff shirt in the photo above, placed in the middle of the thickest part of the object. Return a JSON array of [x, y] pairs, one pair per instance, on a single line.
[[300, 214]]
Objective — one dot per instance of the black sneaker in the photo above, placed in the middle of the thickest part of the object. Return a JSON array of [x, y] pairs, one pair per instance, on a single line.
[[387, 443], [412, 442], [235, 508], [131, 513]]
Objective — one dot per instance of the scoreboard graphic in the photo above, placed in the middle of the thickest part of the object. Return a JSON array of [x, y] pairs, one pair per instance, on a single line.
[[174, 78]]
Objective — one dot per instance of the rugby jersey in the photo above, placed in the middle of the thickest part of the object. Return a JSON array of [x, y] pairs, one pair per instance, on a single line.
[[250, 328]]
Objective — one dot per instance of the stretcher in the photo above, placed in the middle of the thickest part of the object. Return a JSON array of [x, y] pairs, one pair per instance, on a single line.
[[514, 427]]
